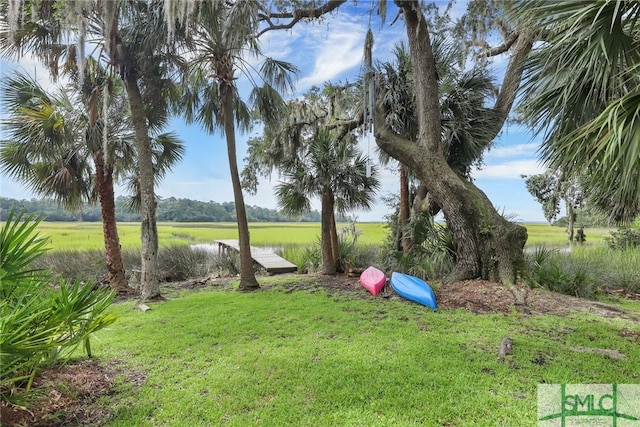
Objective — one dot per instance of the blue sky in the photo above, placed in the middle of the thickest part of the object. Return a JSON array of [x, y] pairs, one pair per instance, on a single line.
[[330, 50]]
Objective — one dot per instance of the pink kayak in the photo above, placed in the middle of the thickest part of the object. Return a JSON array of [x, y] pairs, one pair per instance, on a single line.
[[373, 280]]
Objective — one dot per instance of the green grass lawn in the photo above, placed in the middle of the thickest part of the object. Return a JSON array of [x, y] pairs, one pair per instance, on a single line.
[[309, 358]]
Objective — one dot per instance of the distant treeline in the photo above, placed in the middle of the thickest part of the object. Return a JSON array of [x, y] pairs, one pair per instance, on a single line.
[[171, 209]]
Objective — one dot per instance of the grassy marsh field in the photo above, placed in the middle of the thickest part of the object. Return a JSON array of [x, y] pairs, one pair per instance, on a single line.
[[545, 234], [88, 235], [585, 270]]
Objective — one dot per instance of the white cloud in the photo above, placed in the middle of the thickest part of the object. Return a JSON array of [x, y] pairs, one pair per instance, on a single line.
[[337, 53], [518, 150], [332, 49], [509, 170]]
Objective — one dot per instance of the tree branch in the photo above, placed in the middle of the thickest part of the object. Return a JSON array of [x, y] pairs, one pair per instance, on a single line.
[[348, 124], [481, 43], [522, 45], [494, 51], [390, 142], [295, 16]]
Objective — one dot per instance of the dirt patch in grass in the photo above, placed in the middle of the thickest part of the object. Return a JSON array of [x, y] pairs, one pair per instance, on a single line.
[[69, 393], [66, 395], [481, 296]]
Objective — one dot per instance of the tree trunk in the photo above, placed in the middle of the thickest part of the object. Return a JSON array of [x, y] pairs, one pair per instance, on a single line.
[[335, 244], [248, 281], [486, 244], [571, 219], [405, 208], [149, 283], [328, 262], [115, 267]]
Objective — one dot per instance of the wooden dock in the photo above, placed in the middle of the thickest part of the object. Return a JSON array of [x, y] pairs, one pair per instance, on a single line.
[[268, 260]]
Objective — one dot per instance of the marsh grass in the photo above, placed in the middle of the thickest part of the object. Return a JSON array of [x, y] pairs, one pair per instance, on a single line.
[[313, 358], [610, 269], [81, 236], [77, 265], [307, 258], [88, 235], [555, 236], [586, 271], [176, 263]]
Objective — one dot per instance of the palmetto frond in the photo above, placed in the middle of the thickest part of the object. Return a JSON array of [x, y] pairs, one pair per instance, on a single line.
[[581, 93], [350, 195], [44, 149], [64, 176], [613, 156], [292, 198], [327, 165], [51, 145], [167, 150], [399, 94], [268, 103], [40, 33], [465, 118], [278, 74], [223, 42]]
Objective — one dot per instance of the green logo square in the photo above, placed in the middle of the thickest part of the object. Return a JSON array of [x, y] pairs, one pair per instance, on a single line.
[[578, 405]]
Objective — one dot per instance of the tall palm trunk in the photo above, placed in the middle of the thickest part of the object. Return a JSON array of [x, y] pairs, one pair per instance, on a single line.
[[248, 281], [149, 283], [335, 244], [328, 261], [115, 267]]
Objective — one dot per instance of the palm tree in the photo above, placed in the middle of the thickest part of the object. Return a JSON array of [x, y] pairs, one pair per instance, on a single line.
[[336, 172], [222, 37], [582, 93], [121, 32], [55, 150], [313, 147], [144, 60], [399, 97], [466, 121]]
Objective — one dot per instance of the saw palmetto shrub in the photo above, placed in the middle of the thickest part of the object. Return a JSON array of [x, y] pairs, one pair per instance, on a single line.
[[43, 322]]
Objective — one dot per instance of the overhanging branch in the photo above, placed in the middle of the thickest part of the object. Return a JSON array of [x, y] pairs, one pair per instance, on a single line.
[[497, 50], [293, 17]]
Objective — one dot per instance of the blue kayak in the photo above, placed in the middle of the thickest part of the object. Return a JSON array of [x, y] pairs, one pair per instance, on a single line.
[[413, 289]]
